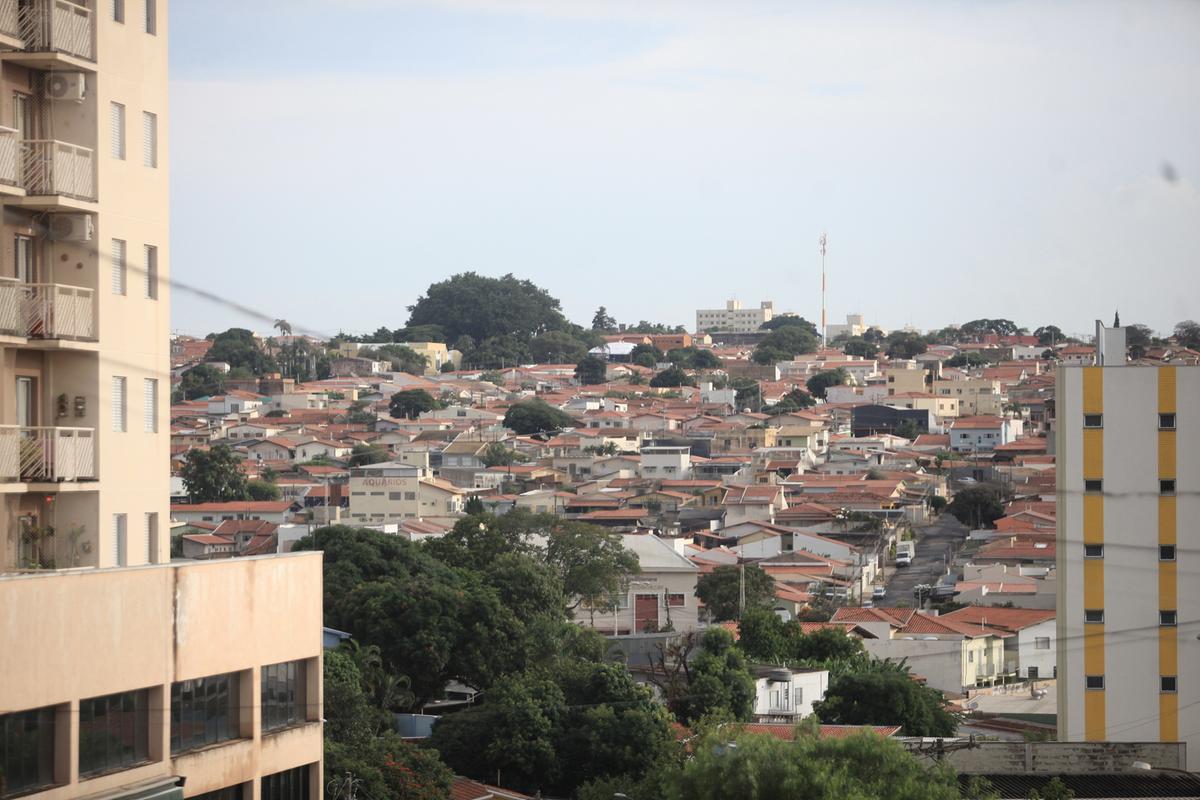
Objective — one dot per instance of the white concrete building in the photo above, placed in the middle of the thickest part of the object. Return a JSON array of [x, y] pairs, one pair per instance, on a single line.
[[733, 318], [784, 696], [854, 326], [663, 462]]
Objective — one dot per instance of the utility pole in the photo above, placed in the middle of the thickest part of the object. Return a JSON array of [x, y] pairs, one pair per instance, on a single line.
[[821, 241], [741, 589]]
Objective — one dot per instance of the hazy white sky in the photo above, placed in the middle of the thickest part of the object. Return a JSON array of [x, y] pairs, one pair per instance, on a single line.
[[1030, 160]]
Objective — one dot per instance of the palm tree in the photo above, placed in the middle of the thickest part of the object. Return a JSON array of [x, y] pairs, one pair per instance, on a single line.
[[283, 326]]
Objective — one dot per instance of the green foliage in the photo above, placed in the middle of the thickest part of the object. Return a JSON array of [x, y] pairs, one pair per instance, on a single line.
[[601, 321], [937, 503], [790, 321], [980, 327], [905, 344], [785, 343], [485, 308], [672, 376], [411, 403], [1054, 789], [536, 416], [473, 505], [1137, 339], [693, 358], [1187, 334], [720, 590], [557, 347], [399, 357], [795, 400], [818, 384], [591, 561], [1049, 335], [764, 637], [969, 359], [591, 370], [498, 454], [880, 697], [364, 454], [650, 350], [653, 327], [262, 490], [908, 429], [719, 681], [201, 381], [977, 506], [858, 346], [238, 348], [213, 475]]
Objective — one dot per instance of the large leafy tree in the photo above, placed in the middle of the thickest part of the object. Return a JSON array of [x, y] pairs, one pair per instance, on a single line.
[[401, 358], [213, 475], [262, 490], [536, 416], [201, 381], [886, 697], [602, 321], [977, 506], [818, 384], [905, 344], [979, 327], [1049, 335], [1137, 339], [716, 681], [482, 307], [721, 590], [591, 562], [238, 348], [672, 377], [410, 403], [790, 321], [763, 636], [557, 347], [785, 343], [1187, 334], [591, 370], [858, 346]]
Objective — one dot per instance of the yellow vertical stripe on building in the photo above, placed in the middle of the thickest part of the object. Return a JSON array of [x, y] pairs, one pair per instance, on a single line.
[[1168, 642], [1094, 712]]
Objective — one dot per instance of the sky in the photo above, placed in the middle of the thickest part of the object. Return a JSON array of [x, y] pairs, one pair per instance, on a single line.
[[1033, 161]]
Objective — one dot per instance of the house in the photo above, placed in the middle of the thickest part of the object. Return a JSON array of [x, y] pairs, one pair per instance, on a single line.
[[667, 462], [234, 402], [1032, 649], [874, 420], [384, 492], [745, 503], [783, 695], [232, 537], [277, 511], [982, 434]]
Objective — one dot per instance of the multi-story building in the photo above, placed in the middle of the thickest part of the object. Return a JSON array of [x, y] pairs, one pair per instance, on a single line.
[[733, 318], [854, 326], [121, 674], [1128, 462]]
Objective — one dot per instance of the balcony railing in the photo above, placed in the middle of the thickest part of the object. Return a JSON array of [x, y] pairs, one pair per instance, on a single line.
[[46, 310], [47, 454], [8, 18], [60, 26], [10, 148], [53, 167]]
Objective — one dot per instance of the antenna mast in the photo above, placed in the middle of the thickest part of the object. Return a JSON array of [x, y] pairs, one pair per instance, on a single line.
[[821, 241]]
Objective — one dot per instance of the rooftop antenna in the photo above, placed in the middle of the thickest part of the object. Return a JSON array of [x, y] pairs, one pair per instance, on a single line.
[[821, 241]]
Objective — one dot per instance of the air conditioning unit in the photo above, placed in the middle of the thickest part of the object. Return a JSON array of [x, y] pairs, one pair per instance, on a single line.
[[71, 228], [66, 86]]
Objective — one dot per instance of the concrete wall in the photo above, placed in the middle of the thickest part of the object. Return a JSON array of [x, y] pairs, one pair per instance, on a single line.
[[1063, 758], [940, 662], [73, 636]]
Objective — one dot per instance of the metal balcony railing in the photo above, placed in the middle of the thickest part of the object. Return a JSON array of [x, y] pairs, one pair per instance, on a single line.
[[60, 26], [46, 310], [10, 307], [47, 454], [53, 167], [10, 161], [8, 18]]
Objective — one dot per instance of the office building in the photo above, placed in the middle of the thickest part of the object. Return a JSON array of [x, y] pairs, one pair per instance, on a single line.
[[733, 318]]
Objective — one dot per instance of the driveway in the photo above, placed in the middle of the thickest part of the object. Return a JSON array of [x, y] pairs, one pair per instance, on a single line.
[[936, 545]]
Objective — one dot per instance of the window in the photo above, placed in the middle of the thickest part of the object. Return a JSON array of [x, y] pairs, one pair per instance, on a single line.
[[971, 657], [1093, 420], [395, 495], [118, 266], [1041, 643], [1093, 551], [116, 130], [204, 711], [150, 405], [1094, 682], [120, 541], [23, 259], [291, 784], [1166, 422], [27, 750], [410, 495], [118, 403], [1166, 552], [150, 534], [149, 139], [1166, 486], [150, 257], [114, 732], [1033, 673], [118, 10], [1168, 683], [1093, 486], [1093, 615], [1167, 618], [676, 600], [283, 695], [151, 20]]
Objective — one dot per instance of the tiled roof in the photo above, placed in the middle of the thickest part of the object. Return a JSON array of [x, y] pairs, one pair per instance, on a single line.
[[1011, 619]]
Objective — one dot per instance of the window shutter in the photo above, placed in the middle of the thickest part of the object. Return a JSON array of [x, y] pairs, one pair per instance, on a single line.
[[150, 257], [118, 403], [151, 535], [117, 130], [118, 266], [120, 549], [151, 16], [149, 139], [118, 10], [150, 405]]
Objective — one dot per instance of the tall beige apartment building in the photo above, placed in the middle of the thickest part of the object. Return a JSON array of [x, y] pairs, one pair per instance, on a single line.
[[121, 674], [1128, 450]]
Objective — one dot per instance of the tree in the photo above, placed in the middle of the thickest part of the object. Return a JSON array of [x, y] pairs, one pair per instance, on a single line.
[[536, 416], [819, 384], [237, 347], [905, 344], [213, 475], [400, 358], [498, 454], [411, 403], [1049, 335], [969, 359], [795, 400], [601, 321], [591, 370], [262, 490], [790, 321], [886, 697], [857, 346], [908, 429], [1187, 334], [977, 506], [763, 636], [482, 308], [1137, 339], [720, 590], [640, 351], [557, 347], [671, 377], [201, 381], [981, 327], [719, 681], [283, 326], [785, 343], [591, 562], [364, 454]]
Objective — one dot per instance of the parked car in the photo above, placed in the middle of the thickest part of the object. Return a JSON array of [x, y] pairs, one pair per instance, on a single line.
[[879, 592]]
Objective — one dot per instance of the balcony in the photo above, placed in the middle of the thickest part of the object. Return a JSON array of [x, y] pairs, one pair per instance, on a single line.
[[47, 311], [10, 160], [10, 36], [47, 455], [53, 168], [53, 33]]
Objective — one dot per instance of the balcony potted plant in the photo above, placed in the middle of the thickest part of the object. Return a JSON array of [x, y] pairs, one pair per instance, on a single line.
[[37, 538]]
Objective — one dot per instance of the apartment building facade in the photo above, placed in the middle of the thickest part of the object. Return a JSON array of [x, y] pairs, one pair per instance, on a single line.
[[1128, 450], [121, 674], [733, 318]]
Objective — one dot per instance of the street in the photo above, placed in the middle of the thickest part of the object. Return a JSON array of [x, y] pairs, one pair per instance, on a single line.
[[935, 546]]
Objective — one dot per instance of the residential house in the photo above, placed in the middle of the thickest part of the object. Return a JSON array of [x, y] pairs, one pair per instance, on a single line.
[[276, 511], [784, 695], [1031, 651], [746, 503], [982, 434]]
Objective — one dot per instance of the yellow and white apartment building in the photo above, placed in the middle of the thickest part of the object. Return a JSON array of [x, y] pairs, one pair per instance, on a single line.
[[1128, 449], [121, 674]]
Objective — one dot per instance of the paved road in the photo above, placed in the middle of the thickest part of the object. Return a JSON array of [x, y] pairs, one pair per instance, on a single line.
[[936, 544]]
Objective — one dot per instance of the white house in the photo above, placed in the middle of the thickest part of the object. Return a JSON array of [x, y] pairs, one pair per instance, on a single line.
[[1030, 652], [785, 696], [666, 462], [983, 433]]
